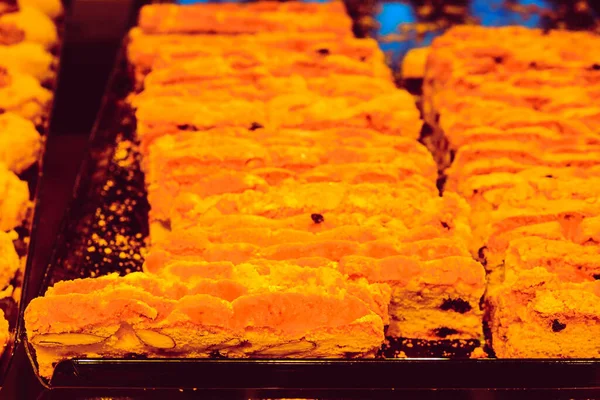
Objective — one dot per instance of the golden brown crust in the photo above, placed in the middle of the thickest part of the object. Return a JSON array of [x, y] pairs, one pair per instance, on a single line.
[[302, 318], [146, 51], [258, 17], [536, 315], [393, 113]]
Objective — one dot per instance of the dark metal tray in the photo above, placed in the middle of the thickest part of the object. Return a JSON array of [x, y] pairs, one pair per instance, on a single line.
[[109, 204], [26, 240]]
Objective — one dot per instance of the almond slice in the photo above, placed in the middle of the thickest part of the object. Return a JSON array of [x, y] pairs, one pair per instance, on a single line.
[[288, 349], [66, 339], [155, 339]]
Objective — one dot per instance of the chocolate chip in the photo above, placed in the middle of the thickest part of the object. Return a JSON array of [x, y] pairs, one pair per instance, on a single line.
[[324, 52], [444, 332], [596, 277], [255, 126], [317, 218], [445, 225], [135, 356], [533, 64], [217, 354], [475, 191], [363, 59], [498, 60], [595, 67], [557, 326], [458, 305], [549, 176]]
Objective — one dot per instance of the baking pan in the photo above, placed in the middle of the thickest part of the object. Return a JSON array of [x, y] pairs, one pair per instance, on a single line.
[[26, 232], [106, 224]]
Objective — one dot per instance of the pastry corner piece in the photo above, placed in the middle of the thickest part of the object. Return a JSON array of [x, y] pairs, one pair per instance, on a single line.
[[431, 300], [156, 317], [534, 314]]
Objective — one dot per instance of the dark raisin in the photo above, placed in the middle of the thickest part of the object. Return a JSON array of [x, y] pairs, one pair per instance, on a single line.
[[549, 176], [458, 305], [255, 126], [217, 354], [324, 52], [317, 218], [596, 277], [533, 64], [475, 191], [557, 326], [498, 59], [595, 67], [445, 225], [186, 127], [363, 59], [481, 255], [444, 332]]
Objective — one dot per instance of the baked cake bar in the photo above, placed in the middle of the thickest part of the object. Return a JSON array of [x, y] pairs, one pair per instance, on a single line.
[[236, 313], [518, 109], [431, 300], [29, 58], [392, 113], [147, 52], [52, 8], [293, 212], [537, 314], [23, 95], [20, 142], [28, 38], [14, 199], [257, 17], [237, 159], [28, 24]]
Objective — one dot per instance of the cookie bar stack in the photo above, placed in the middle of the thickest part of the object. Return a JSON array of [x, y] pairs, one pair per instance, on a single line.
[[291, 203], [28, 38], [520, 110]]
